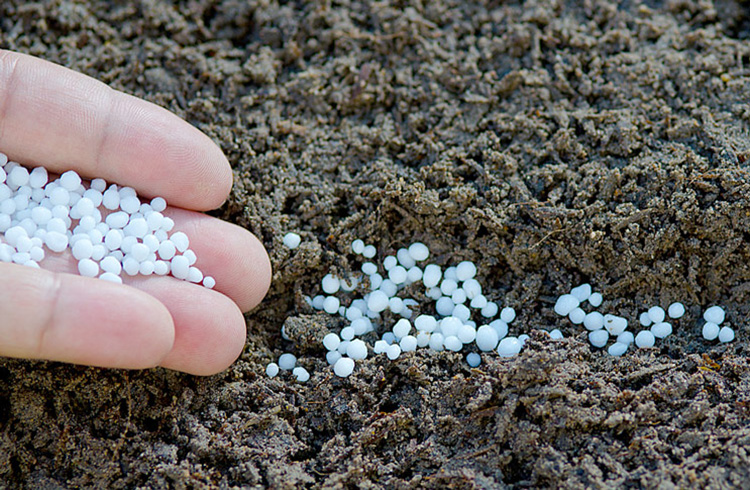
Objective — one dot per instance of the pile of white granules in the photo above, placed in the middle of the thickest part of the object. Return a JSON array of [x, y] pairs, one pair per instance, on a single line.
[[107, 229], [463, 317]]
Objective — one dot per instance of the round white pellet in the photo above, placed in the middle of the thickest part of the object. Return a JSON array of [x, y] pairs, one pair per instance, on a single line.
[[83, 249], [94, 196], [656, 314], [331, 341], [111, 199], [466, 270], [369, 251], [21, 257], [458, 296], [38, 177], [357, 350], [292, 240], [473, 359], [644, 319], [661, 330], [582, 292], [614, 324], [287, 361], [395, 304], [425, 323], [714, 314], [18, 176], [478, 302], [154, 221], [332, 357], [489, 310], [449, 326], [397, 275], [595, 299], [419, 251], [369, 268], [645, 339], [431, 276], [565, 304], [99, 252], [330, 305], [436, 342], [138, 228], [508, 314], [405, 259], [472, 288], [509, 347], [358, 246], [131, 266], [617, 349], [361, 326], [577, 316], [161, 268], [272, 370], [676, 310], [389, 262], [726, 334], [147, 268], [111, 265], [599, 338], [330, 284], [158, 204], [408, 343], [117, 220], [593, 321], [710, 331], [487, 338], [108, 276], [380, 347], [377, 301], [556, 334], [180, 267], [167, 249], [453, 343], [393, 352], [180, 240], [57, 242], [195, 275], [448, 286], [626, 338], [84, 207], [153, 245], [37, 253], [59, 197], [402, 328], [500, 327], [140, 252], [208, 281], [467, 334], [317, 302], [70, 180], [461, 312], [41, 215], [423, 339], [347, 333], [301, 374], [24, 244]]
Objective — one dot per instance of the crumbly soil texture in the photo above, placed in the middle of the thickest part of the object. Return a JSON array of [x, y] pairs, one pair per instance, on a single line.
[[551, 142]]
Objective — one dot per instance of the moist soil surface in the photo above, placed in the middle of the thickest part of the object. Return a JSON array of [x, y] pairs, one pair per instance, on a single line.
[[550, 142]]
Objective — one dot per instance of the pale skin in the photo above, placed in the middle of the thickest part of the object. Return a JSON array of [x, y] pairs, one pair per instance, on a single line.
[[64, 120]]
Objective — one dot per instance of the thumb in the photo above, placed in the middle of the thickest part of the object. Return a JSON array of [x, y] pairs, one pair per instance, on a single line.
[[80, 320]]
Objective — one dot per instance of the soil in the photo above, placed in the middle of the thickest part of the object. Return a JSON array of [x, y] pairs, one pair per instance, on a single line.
[[550, 142]]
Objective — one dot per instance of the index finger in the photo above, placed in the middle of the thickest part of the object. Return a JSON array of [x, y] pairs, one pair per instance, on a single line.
[[53, 116]]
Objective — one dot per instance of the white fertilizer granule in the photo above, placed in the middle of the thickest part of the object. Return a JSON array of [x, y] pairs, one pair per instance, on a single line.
[[107, 229]]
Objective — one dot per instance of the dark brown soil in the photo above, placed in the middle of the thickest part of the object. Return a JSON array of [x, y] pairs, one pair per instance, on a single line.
[[550, 142]]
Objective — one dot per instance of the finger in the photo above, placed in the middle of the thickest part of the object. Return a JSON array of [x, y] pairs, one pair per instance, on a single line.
[[210, 330], [62, 317], [64, 120], [229, 253]]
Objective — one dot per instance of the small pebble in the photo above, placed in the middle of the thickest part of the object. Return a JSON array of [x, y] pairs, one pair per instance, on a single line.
[[645, 339], [714, 314], [287, 361], [595, 300], [726, 334], [565, 304], [598, 338], [509, 347], [301, 374], [617, 349]]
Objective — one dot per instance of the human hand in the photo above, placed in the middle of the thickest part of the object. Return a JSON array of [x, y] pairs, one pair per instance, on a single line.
[[63, 120]]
